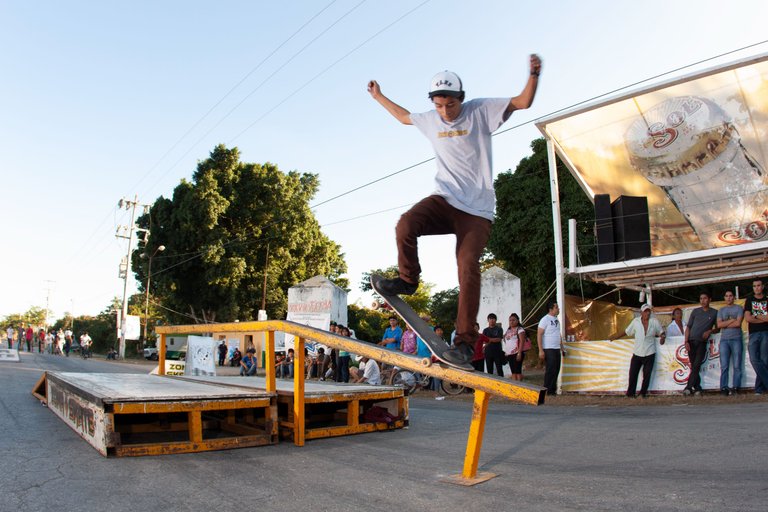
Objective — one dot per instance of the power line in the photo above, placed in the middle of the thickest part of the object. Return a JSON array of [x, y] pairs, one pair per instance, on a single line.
[[318, 75], [231, 90], [222, 119], [210, 110]]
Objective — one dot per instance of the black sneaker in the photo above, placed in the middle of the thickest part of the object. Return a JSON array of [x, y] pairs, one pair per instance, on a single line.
[[725, 392], [461, 354], [397, 286]]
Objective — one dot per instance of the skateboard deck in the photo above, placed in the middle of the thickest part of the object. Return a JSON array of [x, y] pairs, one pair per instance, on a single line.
[[434, 343]]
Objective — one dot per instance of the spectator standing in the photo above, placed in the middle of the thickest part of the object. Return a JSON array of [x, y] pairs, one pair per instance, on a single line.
[[645, 329], [408, 341], [515, 344], [494, 352], [392, 335], [550, 346], [222, 348], [729, 319], [11, 332], [701, 324], [478, 354], [28, 337], [344, 359], [676, 327], [756, 314], [49, 338]]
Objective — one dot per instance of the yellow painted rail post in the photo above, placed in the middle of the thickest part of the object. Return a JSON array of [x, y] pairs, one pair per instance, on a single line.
[[298, 392], [270, 362], [161, 356], [469, 475]]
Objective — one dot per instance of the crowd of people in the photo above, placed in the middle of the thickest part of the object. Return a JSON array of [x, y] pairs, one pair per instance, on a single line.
[[55, 342], [703, 322]]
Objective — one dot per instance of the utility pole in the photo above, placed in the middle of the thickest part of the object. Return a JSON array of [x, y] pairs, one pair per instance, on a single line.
[[47, 300], [127, 232]]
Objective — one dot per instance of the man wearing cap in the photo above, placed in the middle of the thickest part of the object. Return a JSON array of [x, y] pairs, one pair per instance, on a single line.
[[464, 200], [644, 329], [367, 373]]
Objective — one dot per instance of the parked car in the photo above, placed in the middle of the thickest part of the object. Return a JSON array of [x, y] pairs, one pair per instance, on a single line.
[[151, 353]]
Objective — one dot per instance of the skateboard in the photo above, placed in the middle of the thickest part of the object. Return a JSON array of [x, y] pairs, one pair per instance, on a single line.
[[434, 343]]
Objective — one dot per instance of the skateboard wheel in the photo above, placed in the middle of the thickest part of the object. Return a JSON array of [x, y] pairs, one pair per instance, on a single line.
[[426, 362]]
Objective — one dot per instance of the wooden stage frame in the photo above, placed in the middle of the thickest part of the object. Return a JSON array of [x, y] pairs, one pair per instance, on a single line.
[[331, 409]]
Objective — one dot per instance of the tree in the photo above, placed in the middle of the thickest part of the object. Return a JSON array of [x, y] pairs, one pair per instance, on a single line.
[[369, 325], [225, 230], [521, 238], [34, 316], [102, 328], [419, 301], [443, 308]]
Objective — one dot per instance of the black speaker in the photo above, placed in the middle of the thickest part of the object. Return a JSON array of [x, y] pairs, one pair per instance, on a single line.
[[631, 228], [604, 229]]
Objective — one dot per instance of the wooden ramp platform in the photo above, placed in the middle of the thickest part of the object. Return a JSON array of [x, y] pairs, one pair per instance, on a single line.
[[330, 409], [128, 415], [9, 355]]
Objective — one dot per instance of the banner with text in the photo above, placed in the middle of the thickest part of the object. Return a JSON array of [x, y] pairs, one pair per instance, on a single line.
[[603, 367]]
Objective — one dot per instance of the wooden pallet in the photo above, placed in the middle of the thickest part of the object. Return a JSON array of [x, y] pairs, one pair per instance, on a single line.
[[130, 415]]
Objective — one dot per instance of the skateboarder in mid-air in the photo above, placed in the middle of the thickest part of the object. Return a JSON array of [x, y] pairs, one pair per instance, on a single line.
[[464, 200]]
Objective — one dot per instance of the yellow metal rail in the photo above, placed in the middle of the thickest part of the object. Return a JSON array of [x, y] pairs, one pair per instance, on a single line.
[[483, 384]]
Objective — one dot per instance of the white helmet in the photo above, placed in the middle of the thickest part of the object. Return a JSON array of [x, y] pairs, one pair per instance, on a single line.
[[446, 83]]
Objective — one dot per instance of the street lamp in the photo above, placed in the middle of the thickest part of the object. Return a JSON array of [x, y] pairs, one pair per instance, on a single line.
[[160, 248]]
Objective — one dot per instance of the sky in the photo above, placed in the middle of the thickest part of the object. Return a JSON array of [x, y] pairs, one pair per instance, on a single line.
[[105, 100]]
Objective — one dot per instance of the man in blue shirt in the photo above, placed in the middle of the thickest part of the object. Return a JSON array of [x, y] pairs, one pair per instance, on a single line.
[[392, 335], [248, 364]]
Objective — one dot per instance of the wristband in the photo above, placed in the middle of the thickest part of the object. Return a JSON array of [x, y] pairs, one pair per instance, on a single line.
[[535, 73]]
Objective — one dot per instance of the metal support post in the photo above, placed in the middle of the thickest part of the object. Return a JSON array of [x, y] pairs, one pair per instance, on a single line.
[[298, 392]]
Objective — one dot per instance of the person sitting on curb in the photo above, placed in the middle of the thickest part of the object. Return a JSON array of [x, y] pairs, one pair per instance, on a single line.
[[236, 357], [248, 364], [367, 373]]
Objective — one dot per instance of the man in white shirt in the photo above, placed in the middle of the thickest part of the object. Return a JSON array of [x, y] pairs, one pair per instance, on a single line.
[[464, 200], [550, 346], [10, 332], [367, 373], [85, 344], [645, 329]]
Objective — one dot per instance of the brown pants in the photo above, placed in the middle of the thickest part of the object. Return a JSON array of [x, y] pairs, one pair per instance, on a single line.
[[434, 216]]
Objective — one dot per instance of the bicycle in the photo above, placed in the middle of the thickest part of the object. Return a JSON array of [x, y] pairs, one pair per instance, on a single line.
[[451, 388], [408, 380]]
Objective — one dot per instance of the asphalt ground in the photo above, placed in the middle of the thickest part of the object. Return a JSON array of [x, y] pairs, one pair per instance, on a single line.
[[612, 455]]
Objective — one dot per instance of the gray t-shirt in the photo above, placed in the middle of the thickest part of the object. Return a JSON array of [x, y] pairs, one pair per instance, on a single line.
[[701, 321], [463, 153], [730, 313]]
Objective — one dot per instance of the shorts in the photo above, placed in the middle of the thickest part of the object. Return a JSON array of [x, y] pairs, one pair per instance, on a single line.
[[514, 365]]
